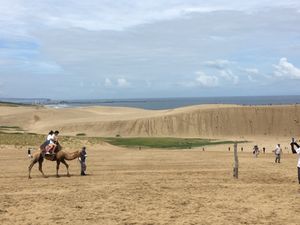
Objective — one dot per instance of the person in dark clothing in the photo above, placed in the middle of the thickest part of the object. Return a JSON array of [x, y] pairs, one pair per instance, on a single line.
[[255, 151], [82, 159], [296, 150]]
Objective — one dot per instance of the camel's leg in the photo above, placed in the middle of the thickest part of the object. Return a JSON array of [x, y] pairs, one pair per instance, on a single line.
[[41, 166], [67, 166], [57, 167]]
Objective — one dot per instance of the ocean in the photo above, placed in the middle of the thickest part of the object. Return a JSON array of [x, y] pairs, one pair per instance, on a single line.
[[160, 103]]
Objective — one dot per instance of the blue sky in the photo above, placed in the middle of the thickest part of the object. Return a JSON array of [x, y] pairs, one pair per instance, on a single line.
[[140, 48]]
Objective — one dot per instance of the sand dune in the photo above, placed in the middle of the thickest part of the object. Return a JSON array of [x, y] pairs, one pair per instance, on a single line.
[[194, 121]]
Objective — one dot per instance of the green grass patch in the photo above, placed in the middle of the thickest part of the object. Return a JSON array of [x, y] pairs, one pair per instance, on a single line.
[[12, 104], [20, 139], [10, 127], [171, 143], [32, 139]]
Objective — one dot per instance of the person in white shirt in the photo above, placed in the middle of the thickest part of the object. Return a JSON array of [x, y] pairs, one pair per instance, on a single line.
[[50, 142], [296, 151], [277, 152], [50, 137]]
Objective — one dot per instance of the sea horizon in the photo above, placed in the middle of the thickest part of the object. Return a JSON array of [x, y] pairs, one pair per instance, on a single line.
[[158, 103]]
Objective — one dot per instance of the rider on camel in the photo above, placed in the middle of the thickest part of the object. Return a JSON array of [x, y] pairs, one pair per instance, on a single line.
[[52, 140]]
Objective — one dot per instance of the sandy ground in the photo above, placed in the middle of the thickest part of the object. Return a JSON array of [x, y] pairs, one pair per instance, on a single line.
[[148, 186], [152, 186]]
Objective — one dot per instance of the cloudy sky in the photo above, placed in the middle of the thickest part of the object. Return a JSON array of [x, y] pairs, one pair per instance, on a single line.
[[74, 49]]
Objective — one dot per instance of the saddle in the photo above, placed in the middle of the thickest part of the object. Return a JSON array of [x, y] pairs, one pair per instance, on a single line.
[[45, 148]]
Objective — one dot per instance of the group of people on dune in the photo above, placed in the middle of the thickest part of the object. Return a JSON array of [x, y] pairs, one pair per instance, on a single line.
[[278, 151]]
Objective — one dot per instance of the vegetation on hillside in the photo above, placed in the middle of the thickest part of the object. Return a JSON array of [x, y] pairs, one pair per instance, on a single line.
[[14, 135]]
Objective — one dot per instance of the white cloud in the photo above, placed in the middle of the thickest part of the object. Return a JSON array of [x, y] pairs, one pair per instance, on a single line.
[[97, 15], [116, 15], [223, 68], [207, 80], [122, 82], [285, 69], [107, 82], [204, 9], [229, 75], [252, 71], [119, 82], [80, 38], [218, 64]]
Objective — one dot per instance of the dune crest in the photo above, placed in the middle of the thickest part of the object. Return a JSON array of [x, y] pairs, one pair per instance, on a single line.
[[193, 121]]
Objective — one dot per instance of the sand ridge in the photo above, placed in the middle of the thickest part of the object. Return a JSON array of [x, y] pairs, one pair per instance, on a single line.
[[193, 121]]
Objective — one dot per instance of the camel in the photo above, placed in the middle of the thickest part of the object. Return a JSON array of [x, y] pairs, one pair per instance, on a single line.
[[59, 157]]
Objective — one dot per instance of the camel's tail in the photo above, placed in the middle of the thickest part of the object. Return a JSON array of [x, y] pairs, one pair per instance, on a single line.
[[29, 153]]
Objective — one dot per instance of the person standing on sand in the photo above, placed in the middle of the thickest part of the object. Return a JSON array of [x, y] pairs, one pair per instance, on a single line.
[[278, 152], [297, 150], [81, 159], [255, 151], [298, 165]]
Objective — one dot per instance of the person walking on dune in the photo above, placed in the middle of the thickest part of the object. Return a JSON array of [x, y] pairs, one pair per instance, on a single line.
[[278, 152]]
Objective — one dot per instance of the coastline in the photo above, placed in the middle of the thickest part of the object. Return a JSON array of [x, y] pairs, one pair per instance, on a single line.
[[160, 103]]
